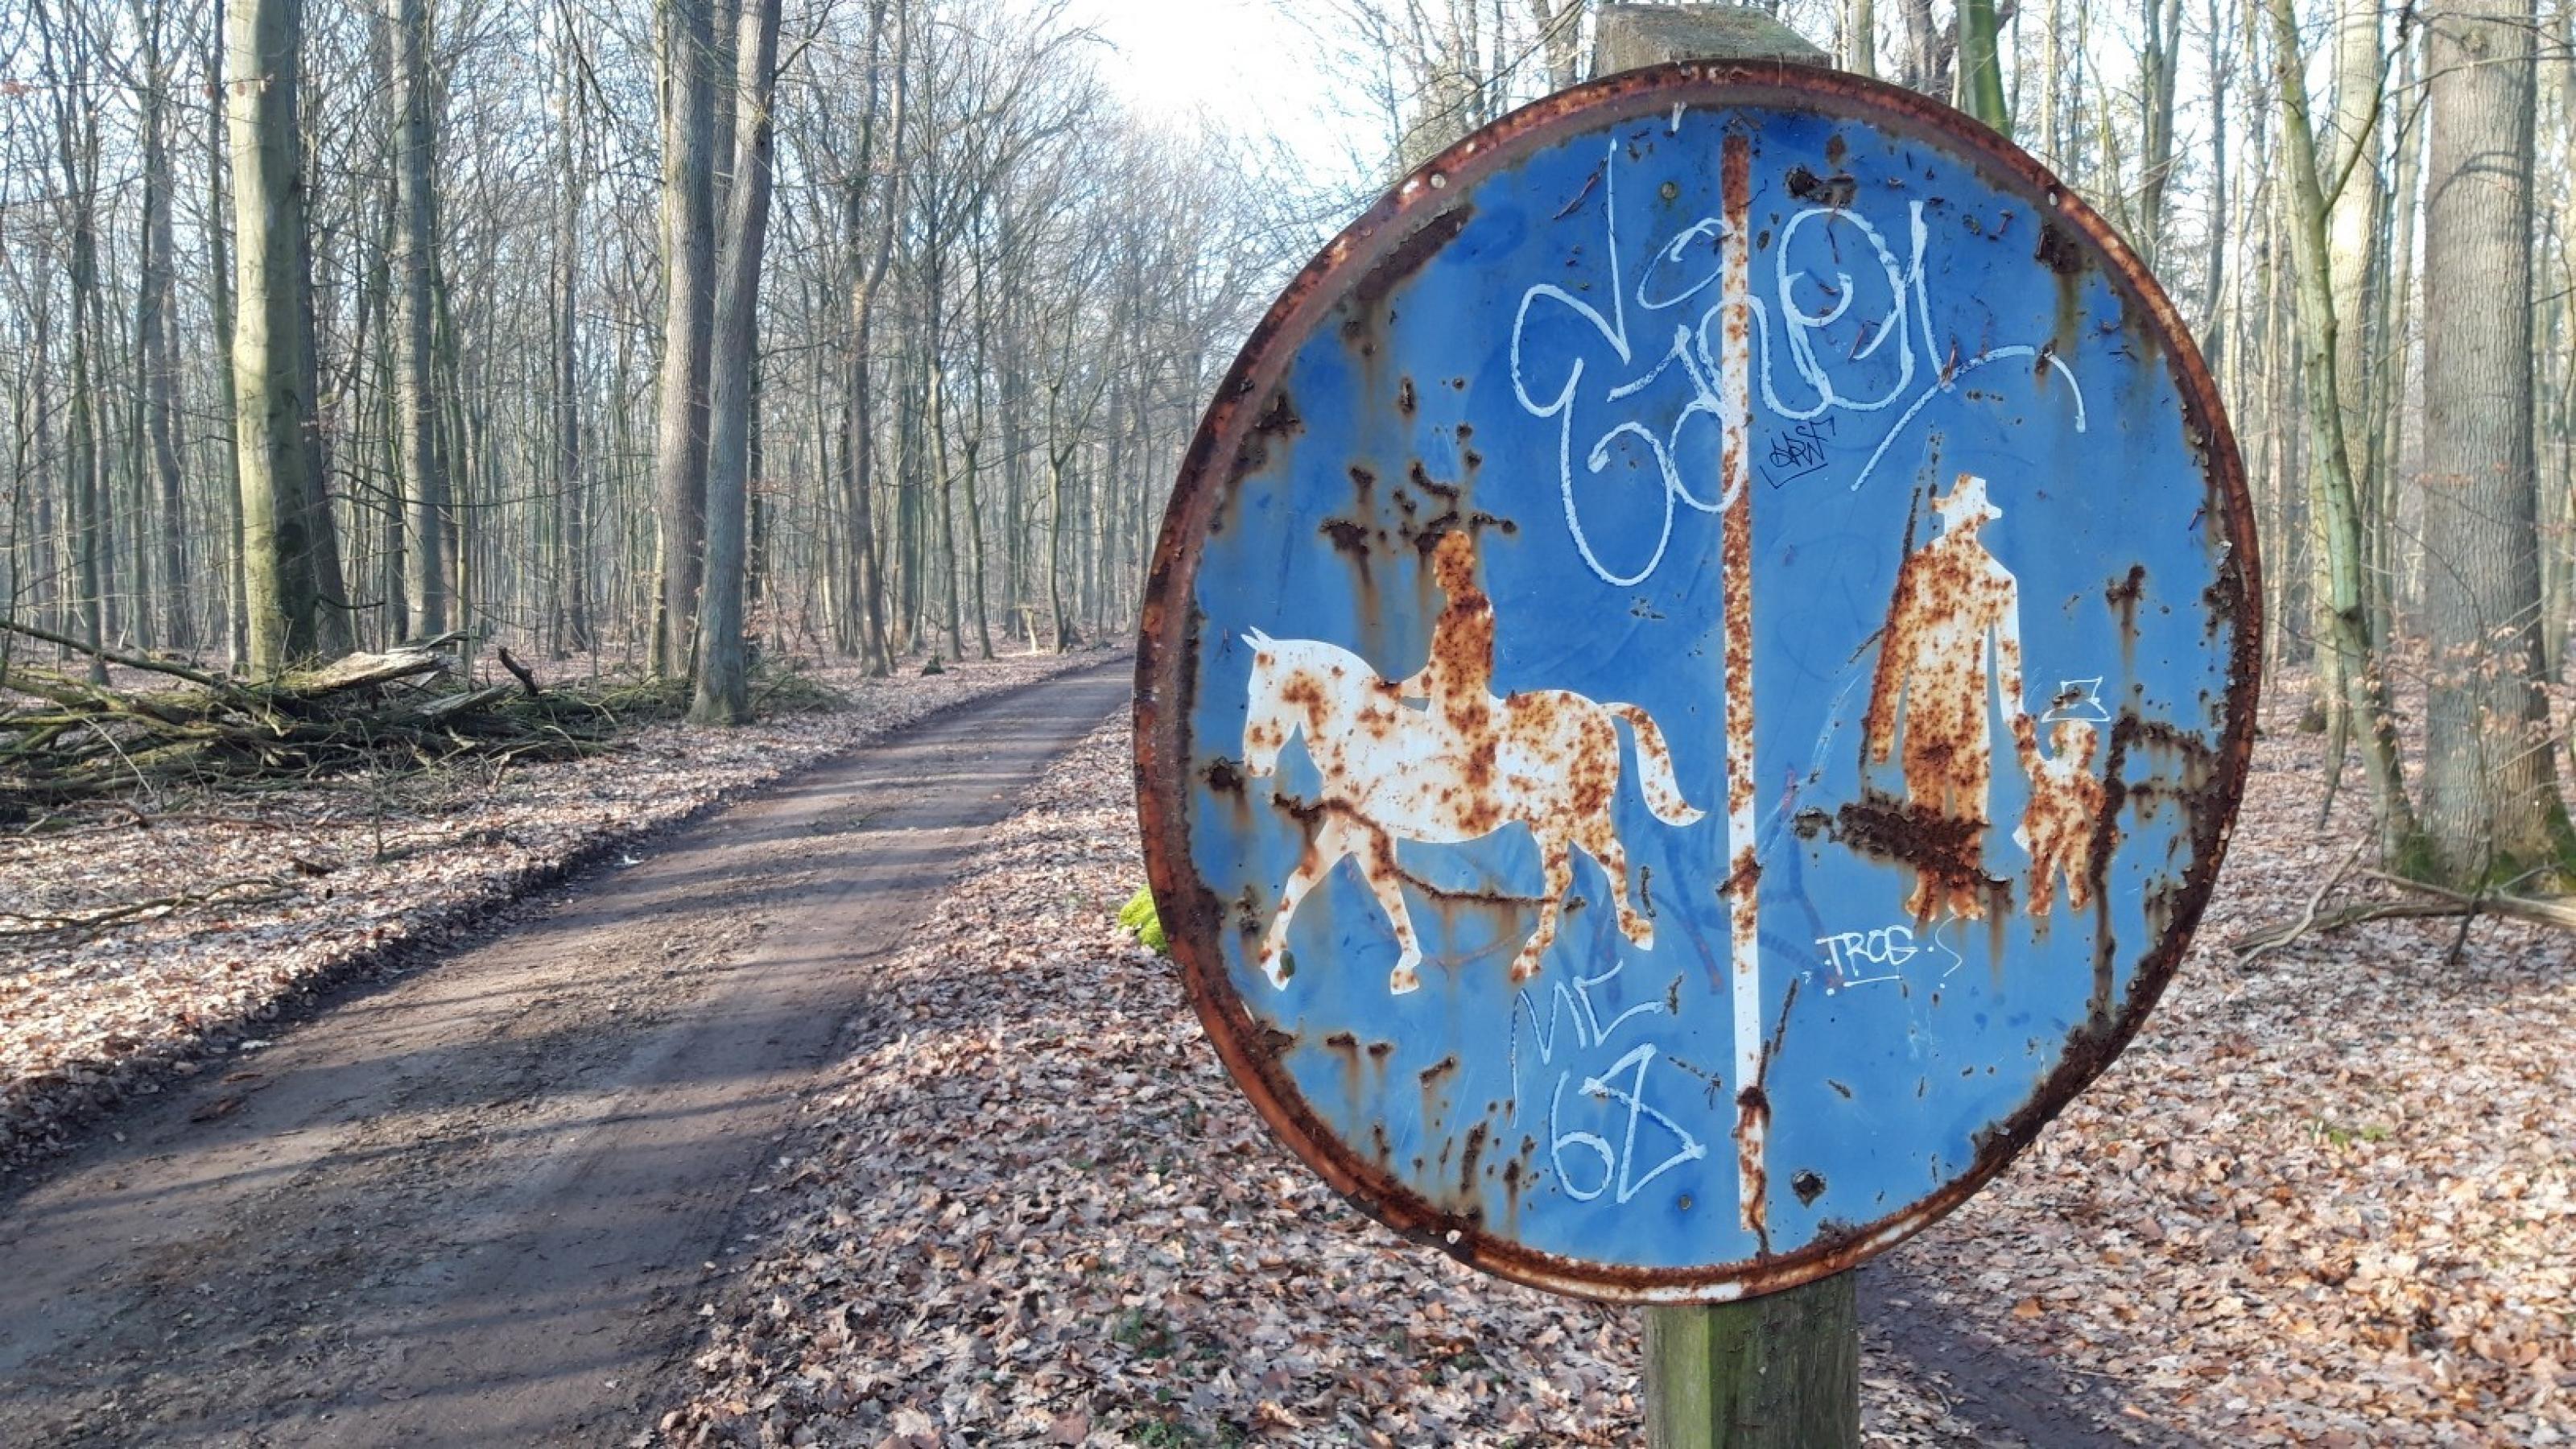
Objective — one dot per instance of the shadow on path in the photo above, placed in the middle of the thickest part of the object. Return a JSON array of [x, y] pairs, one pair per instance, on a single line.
[[2009, 1396]]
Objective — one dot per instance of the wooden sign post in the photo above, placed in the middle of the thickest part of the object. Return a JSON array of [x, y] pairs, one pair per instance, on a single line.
[[1781, 1371]]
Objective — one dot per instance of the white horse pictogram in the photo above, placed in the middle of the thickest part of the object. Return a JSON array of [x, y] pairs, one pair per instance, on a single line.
[[1390, 771]]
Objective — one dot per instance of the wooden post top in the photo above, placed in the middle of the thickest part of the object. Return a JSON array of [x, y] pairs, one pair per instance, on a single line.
[[1630, 36]]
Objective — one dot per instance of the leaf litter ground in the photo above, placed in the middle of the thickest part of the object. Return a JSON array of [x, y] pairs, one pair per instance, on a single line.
[[2323, 1200]]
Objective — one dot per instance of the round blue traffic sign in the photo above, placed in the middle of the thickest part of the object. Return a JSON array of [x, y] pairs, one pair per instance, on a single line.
[[1695, 681]]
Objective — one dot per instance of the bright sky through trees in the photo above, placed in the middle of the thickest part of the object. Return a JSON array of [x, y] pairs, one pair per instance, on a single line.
[[1244, 66]]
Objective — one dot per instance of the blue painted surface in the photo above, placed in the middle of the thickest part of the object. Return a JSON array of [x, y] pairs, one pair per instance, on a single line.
[[1605, 1087]]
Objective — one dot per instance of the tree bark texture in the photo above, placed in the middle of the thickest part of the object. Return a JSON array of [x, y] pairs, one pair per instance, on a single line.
[[858, 446], [415, 241], [67, 67], [2347, 622], [572, 504], [219, 288], [155, 351], [2491, 803], [286, 525], [1981, 67], [688, 283], [2354, 201], [723, 695]]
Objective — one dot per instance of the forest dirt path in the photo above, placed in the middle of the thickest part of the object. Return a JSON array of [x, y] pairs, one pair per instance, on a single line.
[[481, 1203]]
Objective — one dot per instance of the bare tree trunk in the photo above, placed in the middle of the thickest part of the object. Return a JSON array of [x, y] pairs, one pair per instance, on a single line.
[[911, 604], [415, 244], [155, 360], [722, 23], [219, 274], [571, 502], [334, 621], [723, 690], [858, 459], [1924, 67], [2289, 525], [1560, 38], [1058, 459], [2491, 802], [2052, 85], [858, 445], [688, 266], [1981, 66], [2159, 64], [49, 541], [452, 440], [947, 502], [66, 61], [2354, 199], [975, 445], [1015, 447], [2213, 332], [2556, 444], [2350, 645], [1860, 38], [284, 595], [2397, 291]]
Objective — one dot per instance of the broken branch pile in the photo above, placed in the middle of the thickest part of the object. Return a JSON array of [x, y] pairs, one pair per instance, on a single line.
[[64, 739]]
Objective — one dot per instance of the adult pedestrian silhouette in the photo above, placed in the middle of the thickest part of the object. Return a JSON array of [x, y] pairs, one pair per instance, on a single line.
[[1951, 648]]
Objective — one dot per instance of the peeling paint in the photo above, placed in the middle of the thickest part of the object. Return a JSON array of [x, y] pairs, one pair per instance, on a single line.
[[1476, 833]]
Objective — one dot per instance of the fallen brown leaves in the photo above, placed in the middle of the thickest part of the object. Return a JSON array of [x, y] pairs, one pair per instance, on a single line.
[[1032, 1209], [2326, 1200], [147, 940]]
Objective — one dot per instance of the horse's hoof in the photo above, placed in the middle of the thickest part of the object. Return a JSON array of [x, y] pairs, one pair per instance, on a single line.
[[1640, 933], [1402, 980]]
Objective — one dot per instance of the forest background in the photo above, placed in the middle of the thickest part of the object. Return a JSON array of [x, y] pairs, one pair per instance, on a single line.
[[654, 337]]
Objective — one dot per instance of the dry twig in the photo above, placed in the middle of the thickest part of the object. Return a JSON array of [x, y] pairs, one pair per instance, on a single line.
[[45, 923]]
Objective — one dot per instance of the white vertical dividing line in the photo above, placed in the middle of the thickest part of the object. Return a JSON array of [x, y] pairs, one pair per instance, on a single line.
[[1735, 581]]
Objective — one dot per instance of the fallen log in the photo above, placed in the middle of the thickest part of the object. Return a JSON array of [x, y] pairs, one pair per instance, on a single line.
[[103, 655], [357, 671], [68, 740]]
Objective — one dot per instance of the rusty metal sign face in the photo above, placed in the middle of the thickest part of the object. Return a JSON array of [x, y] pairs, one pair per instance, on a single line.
[[1696, 681]]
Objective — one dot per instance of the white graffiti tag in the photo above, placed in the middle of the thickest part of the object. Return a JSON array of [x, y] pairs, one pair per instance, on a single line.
[[1713, 365], [1622, 1085]]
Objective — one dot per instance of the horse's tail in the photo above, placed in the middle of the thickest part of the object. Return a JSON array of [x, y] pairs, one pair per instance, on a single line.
[[1655, 768]]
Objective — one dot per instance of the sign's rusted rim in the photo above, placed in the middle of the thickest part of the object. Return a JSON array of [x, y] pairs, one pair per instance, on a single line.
[[1395, 237]]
